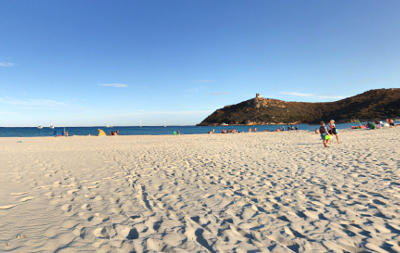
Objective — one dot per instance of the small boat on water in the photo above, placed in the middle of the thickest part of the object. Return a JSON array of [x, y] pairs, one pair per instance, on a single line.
[[51, 126], [109, 126], [224, 124], [39, 127]]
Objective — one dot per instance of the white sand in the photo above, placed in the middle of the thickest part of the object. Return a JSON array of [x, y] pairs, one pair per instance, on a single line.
[[278, 192]]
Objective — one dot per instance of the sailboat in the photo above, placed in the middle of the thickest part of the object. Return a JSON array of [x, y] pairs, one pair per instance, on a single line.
[[51, 126], [108, 126], [165, 123], [140, 124], [39, 127]]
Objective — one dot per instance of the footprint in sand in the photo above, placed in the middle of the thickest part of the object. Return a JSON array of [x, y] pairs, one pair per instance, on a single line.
[[378, 202], [66, 208], [128, 232], [80, 231], [98, 218], [86, 207], [106, 232]]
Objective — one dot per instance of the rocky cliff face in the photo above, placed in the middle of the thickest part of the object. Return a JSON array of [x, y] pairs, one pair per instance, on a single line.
[[370, 105]]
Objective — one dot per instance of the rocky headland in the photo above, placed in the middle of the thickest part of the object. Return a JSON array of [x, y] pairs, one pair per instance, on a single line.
[[370, 105]]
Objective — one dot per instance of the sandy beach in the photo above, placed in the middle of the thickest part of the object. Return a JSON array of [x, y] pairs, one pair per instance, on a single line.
[[253, 192]]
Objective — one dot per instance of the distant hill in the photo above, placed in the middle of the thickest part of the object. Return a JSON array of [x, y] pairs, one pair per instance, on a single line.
[[370, 105]]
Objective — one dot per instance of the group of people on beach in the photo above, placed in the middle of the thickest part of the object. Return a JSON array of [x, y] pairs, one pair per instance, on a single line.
[[375, 124], [326, 136], [114, 133], [387, 122], [233, 131], [254, 130], [224, 131], [289, 128]]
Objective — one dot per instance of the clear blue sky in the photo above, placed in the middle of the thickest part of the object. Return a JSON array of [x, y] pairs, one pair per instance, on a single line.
[[118, 62]]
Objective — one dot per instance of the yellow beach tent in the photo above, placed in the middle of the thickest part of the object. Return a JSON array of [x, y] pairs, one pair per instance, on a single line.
[[102, 133]]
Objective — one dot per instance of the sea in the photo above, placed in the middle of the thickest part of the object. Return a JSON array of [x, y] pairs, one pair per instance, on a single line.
[[146, 130]]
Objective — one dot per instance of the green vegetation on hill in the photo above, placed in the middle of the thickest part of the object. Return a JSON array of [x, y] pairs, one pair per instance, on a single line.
[[370, 105]]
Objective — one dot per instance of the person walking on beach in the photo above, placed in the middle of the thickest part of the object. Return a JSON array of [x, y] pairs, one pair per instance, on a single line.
[[324, 134], [333, 130]]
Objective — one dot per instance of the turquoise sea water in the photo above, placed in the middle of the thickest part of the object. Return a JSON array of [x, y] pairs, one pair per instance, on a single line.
[[145, 130]]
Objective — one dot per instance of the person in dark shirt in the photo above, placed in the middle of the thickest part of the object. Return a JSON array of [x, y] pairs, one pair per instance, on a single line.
[[333, 130]]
